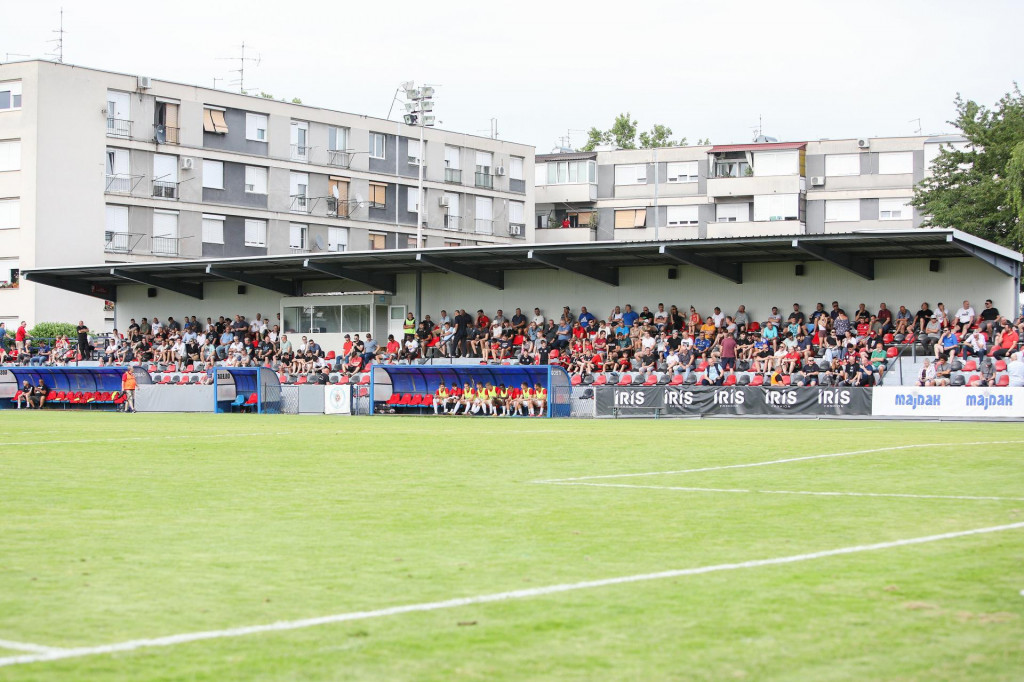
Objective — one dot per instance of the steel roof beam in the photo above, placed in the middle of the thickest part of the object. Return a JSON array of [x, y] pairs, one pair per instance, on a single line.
[[862, 267], [494, 278], [729, 270], [176, 285], [601, 273], [381, 282], [281, 286]]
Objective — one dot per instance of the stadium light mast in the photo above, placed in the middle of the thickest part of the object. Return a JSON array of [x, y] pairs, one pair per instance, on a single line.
[[420, 101]]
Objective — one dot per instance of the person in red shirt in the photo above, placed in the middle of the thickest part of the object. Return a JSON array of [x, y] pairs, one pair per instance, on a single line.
[[482, 321], [20, 336], [1006, 341], [393, 347]]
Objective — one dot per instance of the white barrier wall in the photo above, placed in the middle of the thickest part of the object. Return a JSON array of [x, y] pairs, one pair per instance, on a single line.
[[963, 403]]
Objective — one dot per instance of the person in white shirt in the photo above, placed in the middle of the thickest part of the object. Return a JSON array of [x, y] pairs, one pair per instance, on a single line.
[[964, 317], [1015, 369], [718, 317], [660, 317], [538, 319], [927, 377], [942, 315], [975, 344]]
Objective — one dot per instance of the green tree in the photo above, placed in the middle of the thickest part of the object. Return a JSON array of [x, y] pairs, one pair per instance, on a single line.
[[623, 134], [659, 136], [595, 138], [980, 189]]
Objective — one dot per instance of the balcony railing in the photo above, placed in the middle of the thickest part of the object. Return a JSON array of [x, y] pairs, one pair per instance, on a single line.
[[517, 230], [166, 134], [297, 249], [342, 158], [165, 246], [484, 226], [453, 175], [338, 208], [452, 222], [301, 204], [165, 190], [120, 242], [299, 152], [485, 180], [119, 127], [119, 184]]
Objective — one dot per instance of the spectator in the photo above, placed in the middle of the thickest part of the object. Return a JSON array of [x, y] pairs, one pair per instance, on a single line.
[[1015, 370], [25, 394], [128, 385], [942, 372], [20, 337], [964, 318], [39, 393], [927, 376], [987, 317], [1005, 341], [988, 372], [84, 349], [409, 326]]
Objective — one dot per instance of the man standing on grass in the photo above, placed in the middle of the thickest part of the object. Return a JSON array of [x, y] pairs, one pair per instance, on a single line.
[[128, 385]]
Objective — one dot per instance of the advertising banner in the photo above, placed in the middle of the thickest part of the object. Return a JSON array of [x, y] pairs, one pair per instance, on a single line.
[[693, 401], [337, 399], [979, 403]]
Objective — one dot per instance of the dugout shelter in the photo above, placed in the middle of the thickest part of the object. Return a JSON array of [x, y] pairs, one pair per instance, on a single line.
[[94, 387], [248, 389]]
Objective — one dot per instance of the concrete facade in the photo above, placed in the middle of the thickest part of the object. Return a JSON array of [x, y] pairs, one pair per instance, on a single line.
[[157, 137]]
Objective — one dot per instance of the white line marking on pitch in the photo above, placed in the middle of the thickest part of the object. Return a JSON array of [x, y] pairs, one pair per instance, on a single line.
[[790, 492], [116, 440], [185, 638], [776, 461], [27, 646]]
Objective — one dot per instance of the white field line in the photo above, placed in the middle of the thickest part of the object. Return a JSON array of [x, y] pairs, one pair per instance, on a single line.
[[135, 438], [27, 646], [777, 461], [792, 492], [185, 638]]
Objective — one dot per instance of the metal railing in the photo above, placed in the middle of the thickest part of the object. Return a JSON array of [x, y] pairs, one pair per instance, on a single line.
[[453, 175], [485, 180], [338, 208], [166, 134], [341, 158], [452, 222], [119, 127], [484, 226], [165, 190], [517, 230], [165, 246], [300, 204], [298, 249], [119, 242], [118, 183], [299, 152]]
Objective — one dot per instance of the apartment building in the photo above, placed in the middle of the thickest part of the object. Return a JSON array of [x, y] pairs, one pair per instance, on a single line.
[[738, 190], [102, 167]]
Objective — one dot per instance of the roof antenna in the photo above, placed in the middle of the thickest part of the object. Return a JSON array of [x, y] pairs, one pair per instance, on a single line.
[[58, 52], [918, 131], [241, 59]]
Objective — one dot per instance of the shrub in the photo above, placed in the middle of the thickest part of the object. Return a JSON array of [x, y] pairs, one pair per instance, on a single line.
[[51, 330]]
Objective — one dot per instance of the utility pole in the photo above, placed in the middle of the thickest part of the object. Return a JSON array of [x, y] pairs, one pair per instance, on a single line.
[[420, 103]]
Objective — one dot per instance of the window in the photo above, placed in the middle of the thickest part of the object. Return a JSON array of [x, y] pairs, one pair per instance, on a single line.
[[337, 139], [10, 155], [414, 152], [842, 210], [776, 163], [895, 163], [297, 236], [631, 175], [452, 157], [165, 176], [255, 232], [452, 244], [300, 141], [410, 242], [255, 180], [298, 189], [682, 215], [337, 239], [118, 178], [566, 172], [515, 168], [540, 174], [213, 229], [732, 213], [165, 233], [10, 272], [213, 174], [895, 209], [377, 145], [10, 214], [165, 122], [314, 319], [453, 214], [338, 192], [484, 215], [119, 116], [580, 219], [682, 171], [483, 162], [355, 318], [516, 212], [631, 218], [213, 121], [412, 203], [842, 164], [378, 195], [116, 238], [10, 95], [378, 242], [255, 127], [731, 165], [769, 207]]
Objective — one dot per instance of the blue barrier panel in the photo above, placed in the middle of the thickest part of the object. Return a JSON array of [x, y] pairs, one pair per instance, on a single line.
[[84, 380], [386, 380]]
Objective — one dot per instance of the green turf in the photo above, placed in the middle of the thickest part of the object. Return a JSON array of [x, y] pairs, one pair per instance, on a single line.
[[119, 527]]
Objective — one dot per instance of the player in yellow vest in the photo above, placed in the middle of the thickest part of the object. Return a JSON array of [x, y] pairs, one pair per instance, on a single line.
[[503, 399], [441, 398], [409, 326], [468, 396], [540, 399], [480, 400], [525, 398]]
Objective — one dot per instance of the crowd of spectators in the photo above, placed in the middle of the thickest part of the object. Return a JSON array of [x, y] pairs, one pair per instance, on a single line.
[[824, 345]]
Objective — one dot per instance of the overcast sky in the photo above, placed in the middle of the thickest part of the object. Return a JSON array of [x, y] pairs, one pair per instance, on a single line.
[[705, 68]]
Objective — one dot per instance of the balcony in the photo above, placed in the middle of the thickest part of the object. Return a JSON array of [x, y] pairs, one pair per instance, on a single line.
[[292, 248], [165, 190], [337, 208], [119, 184], [119, 127], [484, 180], [120, 242], [299, 152], [484, 226], [301, 204], [564, 235], [341, 158], [517, 230], [166, 246], [580, 193], [452, 222], [755, 185], [166, 134], [453, 175]]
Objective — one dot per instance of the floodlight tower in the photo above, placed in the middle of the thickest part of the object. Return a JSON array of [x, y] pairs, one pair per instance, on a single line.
[[420, 103]]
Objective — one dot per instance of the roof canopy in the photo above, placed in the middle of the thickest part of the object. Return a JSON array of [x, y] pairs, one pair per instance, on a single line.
[[855, 252]]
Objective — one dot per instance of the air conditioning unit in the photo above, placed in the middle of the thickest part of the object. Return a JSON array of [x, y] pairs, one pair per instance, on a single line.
[[499, 170], [817, 181], [443, 201], [863, 142], [145, 82], [188, 163]]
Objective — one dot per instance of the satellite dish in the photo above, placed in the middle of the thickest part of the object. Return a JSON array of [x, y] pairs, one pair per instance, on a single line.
[[359, 199], [334, 191], [318, 242]]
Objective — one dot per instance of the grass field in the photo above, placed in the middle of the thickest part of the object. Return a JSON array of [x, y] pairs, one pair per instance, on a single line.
[[118, 528]]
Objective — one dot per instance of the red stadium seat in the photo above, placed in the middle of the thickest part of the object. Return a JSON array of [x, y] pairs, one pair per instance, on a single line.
[[364, 379], [652, 379], [518, 340], [970, 366], [974, 380], [703, 365], [172, 368], [625, 380], [52, 395], [1000, 365], [166, 379], [786, 380], [363, 392], [909, 338], [677, 380], [394, 399], [301, 380], [576, 380], [190, 369], [330, 356], [887, 339], [758, 380], [730, 380], [601, 380], [343, 379], [1003, 380], [754, 327], [892, 352], [251, 400]]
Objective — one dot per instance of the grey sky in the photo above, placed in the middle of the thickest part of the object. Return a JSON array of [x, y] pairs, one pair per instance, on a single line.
[[704, 68]]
